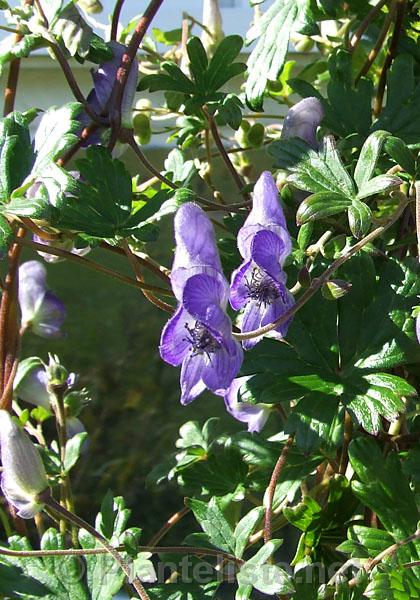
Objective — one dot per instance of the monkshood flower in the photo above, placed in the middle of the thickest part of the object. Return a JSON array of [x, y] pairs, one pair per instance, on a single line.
[[103, 81], [41, 310], [31, 381], [199, 335], [258, 285], [23, 477], [266, 213], [254, 415], [302, 121]]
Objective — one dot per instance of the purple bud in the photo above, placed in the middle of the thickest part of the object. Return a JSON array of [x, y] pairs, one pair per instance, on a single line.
[[23, 477], [302, 121], [254, 415], [31, 382], [67, 243], [41, 310]]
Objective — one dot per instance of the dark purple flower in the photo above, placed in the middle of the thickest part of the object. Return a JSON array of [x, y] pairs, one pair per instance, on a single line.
[[258, 286], [266, 213], [302, 121], [418, 327], [196, 251], [41, 310], [199, 336], [103, 79], [254, 415]]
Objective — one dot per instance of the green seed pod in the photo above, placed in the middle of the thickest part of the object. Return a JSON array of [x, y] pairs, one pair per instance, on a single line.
[[92, 7], [142, 128]]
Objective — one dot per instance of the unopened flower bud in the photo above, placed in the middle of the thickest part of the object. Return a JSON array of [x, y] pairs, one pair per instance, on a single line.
[[302, 121], [212, 19], [304, 277], [57, 374], [23, 477], [92, 7]]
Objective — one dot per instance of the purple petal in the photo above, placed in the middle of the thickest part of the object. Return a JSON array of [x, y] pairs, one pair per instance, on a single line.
[[418, 327], [274, 311], [33, 388], [195, 244], [246, 235], [32, 288], [251, 319], [174, 344], [268, 252], [255, 415], [49, 317], [191, 381], [222, 366], [302, 121], [202, 298], [239, 291]]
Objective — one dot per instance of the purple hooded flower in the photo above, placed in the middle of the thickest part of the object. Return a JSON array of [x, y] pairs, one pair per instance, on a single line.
[[254, 415], [23, 477], [199, 335], [31, 382], [103, 81], [418, 327], [258, 285], [302, 121], [41, 310], [266, 213]]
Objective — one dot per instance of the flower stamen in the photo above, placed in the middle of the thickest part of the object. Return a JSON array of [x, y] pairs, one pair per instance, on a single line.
[[201, 340], [261, 288]]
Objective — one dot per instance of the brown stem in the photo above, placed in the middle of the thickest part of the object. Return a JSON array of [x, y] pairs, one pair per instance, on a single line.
[[400, 10], [115, 19], [318, 282], [139, 276], [357, 36], [379, 43], [90, 264], [173, 520], [348, 430], [78, 522], [41, 233], [146, 261], [11, 85], [269, 493], [124, 68], [217, 140], [417, 188]]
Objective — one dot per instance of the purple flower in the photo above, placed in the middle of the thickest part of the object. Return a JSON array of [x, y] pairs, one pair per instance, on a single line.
[[41, 310], [418, 327], [196, 251], [31, 382], [23, 477], [302, 121], [103, 81], [258, 286], [199, 335], [266, 213], [255, 415]]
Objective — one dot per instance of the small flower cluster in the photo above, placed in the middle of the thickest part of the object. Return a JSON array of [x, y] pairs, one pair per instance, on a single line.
[[199, 335]]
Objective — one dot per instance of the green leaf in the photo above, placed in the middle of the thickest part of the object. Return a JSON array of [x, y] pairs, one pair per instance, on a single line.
[[213, 522], [365, 542], [183, 591], [400, 152], [73, 30], [378, 185], [368, 157], [14, 583], [321, 205], [169, 38], [268, 57], [384, 488], [62, 576], [198, 61], [221, 69], [360, 217], [394, 584], [55, 134], [6, 236], [73, 448], [10, 48], [312, 171], [245, 528], [16, 154]]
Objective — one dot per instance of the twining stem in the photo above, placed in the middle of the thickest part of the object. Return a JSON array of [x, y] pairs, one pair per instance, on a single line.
[[399, 18], [139, 277], [121, 77], [173, 520], [318, 282], [269, 493], [357, 36], [81, 524], [90, 264], [145, 260], [217, 140], [378, 45], [115, 19], [94, 551]]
